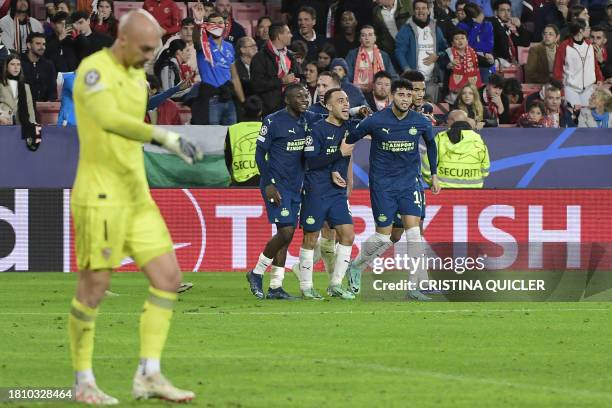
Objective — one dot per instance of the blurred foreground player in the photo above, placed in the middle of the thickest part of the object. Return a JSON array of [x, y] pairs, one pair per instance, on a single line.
[[395, 166], [280, 159], [114, 214]]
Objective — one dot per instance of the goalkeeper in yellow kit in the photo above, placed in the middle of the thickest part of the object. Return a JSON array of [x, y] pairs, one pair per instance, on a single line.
[[113, 212]]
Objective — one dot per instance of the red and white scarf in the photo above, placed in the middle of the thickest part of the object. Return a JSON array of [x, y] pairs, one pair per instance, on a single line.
[[365, 69], [282, 60], [204, 40], [467, 69]]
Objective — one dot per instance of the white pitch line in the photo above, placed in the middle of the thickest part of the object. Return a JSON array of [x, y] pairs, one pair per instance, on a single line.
[[463, 378], [330, 312]]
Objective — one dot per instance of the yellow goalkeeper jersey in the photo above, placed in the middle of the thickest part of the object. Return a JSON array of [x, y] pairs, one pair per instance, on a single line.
[[110, 105]]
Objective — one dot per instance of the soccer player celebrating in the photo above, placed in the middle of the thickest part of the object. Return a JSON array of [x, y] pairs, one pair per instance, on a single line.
[[326, 152], [279, 157], [113, 212], [394, 175]]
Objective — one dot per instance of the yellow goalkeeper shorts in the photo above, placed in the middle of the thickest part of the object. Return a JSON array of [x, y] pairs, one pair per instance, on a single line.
[[104, 236]]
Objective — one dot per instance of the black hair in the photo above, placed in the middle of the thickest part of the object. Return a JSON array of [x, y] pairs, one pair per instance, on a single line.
[[253, 107], [291, 87], [79, 14], [575, 26], [512, 86], [34, 35], [309, 10], [458, 31], [168, 54], [332, 75], [414, 76], [59, 16], [187, 21], [414, 3], [382, 74], [497, 81], [153, 82], [472, 10], [460, 2], [329, 49], [538, 104], [214, 14], [400, 84], [299, 47], [329, 94], [498, 3], [574, 12], [598, 28], [262, 18], [275, 30]]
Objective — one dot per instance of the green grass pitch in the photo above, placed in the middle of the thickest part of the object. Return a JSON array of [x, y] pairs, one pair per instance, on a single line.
[[235, 351]]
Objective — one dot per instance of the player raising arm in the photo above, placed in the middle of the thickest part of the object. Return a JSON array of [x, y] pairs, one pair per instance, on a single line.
[[394, 174], [113, 212]]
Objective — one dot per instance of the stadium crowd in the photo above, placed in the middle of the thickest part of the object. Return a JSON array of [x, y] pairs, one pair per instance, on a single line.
[[504, 62]]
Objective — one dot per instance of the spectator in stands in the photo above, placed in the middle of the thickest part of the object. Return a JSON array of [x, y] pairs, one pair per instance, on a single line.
[[87, 41], [597, 114], [160, 109], [291, 10], [200, 13], [444, 16], [485, 6], [168, 67], [18, 17], [103, 19], [346, 37], [508, 34], [246, 50], [495, 103], [461, 64], [480, 36], [190, 66], [389, 17], [209, 8], [362, 10], [513, 91], [469, 102], [300, 50], [167, 14], [325, 56], [60, 45], [327, 80], [240, 144], [419, 44], [273, 68], [220, 82], [535, 117], [599, 41], [576, 66], [554, 13], [560, 116], [63, 5], [575, 12], [460, 11], [38, 71], [233, 29], [65, 116], [307, 18], [364, 62], [311, 74], [355, 95], [541, 94], [541, 58], [262, 34], [380, 97], [419, 104], [16, 103]]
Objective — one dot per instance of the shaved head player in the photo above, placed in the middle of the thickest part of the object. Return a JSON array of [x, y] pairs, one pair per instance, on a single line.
[[113, 212]]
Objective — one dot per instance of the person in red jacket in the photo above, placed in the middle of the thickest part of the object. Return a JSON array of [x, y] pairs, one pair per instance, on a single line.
[[160, 109], [576, 66], [167, 14]]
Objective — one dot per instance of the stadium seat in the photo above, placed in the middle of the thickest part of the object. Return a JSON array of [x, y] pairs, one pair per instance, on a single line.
[[47, 112], [523, 53], [528, 89], [513, 71], [245, 12], [185, 112], [122, 7]]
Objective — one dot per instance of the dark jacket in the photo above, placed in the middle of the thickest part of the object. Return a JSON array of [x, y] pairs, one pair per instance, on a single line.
[[265, 81], [501, 45], [236, 33], [369, 97], [444, 18], [343, 46], [565, 114], [504, 118], [548, 14], [383, 38], [41, 77], [61, 53], [313, 46], [245, 77], [87, 45], [354, 94]]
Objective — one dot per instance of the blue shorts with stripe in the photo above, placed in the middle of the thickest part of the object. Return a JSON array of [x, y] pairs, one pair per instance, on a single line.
[[397, 222], [288, 210], [387, 204]]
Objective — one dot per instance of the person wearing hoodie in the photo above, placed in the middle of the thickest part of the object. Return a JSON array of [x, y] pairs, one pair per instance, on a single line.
[[340, 67], [463, 157], [17, 25]]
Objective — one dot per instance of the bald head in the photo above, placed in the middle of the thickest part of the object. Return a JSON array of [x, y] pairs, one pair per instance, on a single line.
[[138, 36], [456, 116]]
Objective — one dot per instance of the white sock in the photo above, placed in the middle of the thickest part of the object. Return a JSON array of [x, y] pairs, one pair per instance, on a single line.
[[277, 276], [343, 257], [262, 264], [317, 253], [328, 254], [305, 274], [415, 251], [148, 366], [374, 246], [85, 376]]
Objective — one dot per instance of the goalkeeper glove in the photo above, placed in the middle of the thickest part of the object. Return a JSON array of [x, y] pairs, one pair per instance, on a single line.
[[176, 144]]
